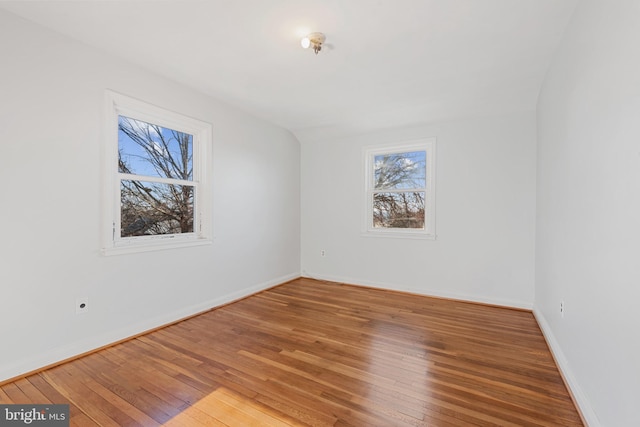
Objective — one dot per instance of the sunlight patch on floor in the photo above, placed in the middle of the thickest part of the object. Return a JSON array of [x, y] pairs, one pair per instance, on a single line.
[[223, 407]]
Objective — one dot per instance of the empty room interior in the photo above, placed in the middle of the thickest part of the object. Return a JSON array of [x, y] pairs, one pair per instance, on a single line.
[[294, 212]]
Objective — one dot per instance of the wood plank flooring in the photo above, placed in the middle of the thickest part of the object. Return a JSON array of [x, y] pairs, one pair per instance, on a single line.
[[312, 353]]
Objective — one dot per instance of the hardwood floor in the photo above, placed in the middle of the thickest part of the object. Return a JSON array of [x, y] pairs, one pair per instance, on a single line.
[[320, 354]]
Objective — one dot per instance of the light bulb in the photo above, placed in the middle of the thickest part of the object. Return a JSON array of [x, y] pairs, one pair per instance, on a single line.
[[305, 42]]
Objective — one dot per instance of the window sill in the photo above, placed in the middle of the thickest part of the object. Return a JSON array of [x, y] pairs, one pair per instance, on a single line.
[[155, 246], [399, 234]]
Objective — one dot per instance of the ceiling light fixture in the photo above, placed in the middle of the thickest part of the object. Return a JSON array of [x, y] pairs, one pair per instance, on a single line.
[[313, 40]]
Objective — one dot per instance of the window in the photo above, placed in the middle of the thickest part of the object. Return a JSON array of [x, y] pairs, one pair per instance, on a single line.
[[157, 173], [400, 190]]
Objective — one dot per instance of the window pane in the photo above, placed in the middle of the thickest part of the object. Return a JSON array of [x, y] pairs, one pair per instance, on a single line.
[[151, 208], [398, 210], [152, 150], [400, 170]]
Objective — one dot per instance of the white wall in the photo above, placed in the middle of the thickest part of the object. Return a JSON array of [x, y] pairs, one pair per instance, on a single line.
[[588, 209], [51, 113], [485, 191]]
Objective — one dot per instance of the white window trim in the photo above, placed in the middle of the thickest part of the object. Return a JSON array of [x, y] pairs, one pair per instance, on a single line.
[[112, 244], [369, 153]]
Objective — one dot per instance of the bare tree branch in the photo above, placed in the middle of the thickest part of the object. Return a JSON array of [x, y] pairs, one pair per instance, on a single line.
[[156, 208]]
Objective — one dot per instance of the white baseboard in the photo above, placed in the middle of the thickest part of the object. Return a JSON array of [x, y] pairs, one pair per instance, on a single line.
[[70, 351], [427, 292], [582, 402]]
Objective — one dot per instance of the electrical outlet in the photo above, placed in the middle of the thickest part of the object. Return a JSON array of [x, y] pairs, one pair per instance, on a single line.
[[82, 305], [323, 253], [561, 308]]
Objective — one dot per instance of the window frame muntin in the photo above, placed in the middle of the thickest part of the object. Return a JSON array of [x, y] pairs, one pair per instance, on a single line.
[[113, 243], [369, 153]]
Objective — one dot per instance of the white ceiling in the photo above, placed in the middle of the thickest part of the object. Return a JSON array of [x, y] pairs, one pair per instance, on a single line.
[[389, 62]]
